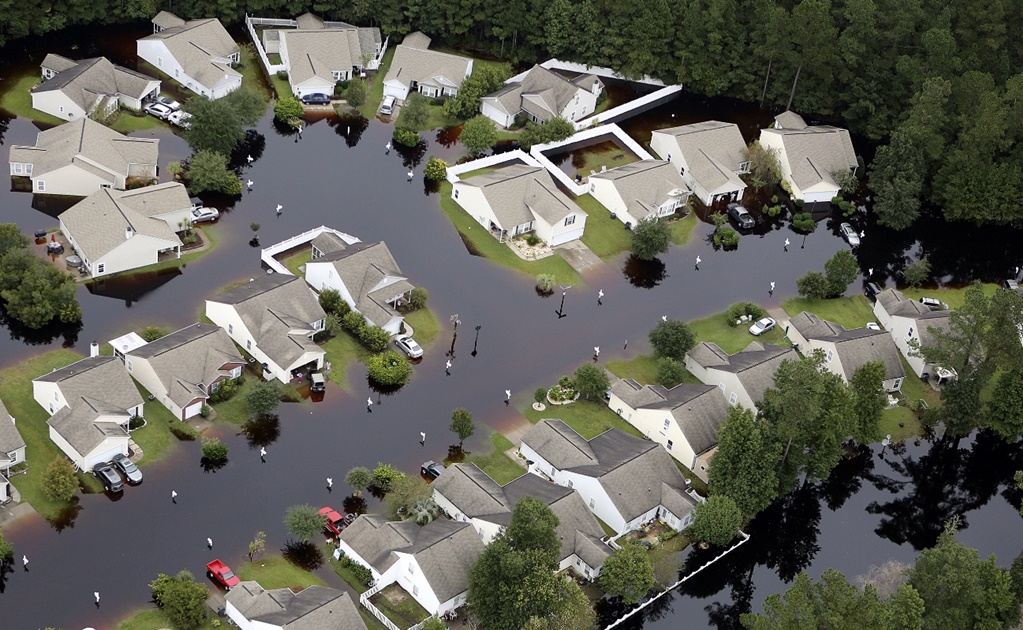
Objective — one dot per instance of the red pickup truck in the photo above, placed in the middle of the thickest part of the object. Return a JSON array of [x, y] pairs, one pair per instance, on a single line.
[[222, 574]]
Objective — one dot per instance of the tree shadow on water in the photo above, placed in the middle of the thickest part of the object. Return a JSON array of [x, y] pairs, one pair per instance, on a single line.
[[303, 554], [66, 517], [354, 505], [212, 466], [6, 569], [350, 127], [645, 274], [262, 431]]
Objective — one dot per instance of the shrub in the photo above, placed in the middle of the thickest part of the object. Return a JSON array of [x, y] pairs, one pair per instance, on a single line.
[[355, 92], [803, 222], [151, 334], [406, 137], [374, 338], [591, 381], [478, 134], [813, 285], [359, 572], [436, 169], [205, 410], [389, 369], [735, 311], [670, 372], [917, 272], [59, 481], [214, 450], [332, 302], [225, 390], [774, 211], [288, 108], [282, 74], [545, 282], [353, 322], [359, 478], [726, 238], [533, 240], [417, 298], [837, 201], [384, 476], [672, 338]]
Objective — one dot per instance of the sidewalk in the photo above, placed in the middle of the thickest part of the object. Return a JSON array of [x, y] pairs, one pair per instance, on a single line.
[[578, 255]]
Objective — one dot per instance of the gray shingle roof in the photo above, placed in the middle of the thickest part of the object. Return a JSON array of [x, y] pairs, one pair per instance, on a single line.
[[79, 424], [713, 151], [328, 243], [188, 358], [472, 491], [313, 608], [319, 53], [515, 192], [699, 410], [417, 39], [556, 442], [427, 66], [99, 223], [88, 80], [195, 44], [82, 141], [166, 19], [374, 538], [363, 267], [57, 63], [789, 120], [895, 303], [309, 21], [540, 92], [814, 153], [645, 185], [754, 365], [10, 437], [98, 378], [854, 347]]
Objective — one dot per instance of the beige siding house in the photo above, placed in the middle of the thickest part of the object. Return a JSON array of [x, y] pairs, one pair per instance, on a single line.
[[78, 158], [648, 189], [911, 325], [198, 54], [252, 607], [433, 74], [810, 156], [743, 377], [318, 54], [12, 450], [709, 156], [91, 87], [541, 95]]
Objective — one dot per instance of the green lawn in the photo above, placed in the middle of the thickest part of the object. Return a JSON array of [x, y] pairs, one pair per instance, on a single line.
[[252, 72], [642, 369], [156, 619], [953, 297], [155, 438], [607, 528], [499, 466], [479, 171], [424, 324], [588, 418], [682, 230], [341, 351], [486, 245], [605, 236], [235, 411], [275, 572], [348, 576], [375, 94], [16, 98], [281, 86], [295, 261], [851, 312], [732, 339], [911, 426], [404, 613], [127, 122], [915, 389]]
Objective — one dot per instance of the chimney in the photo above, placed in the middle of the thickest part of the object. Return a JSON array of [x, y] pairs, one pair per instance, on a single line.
[[128, 232], [94, 349]]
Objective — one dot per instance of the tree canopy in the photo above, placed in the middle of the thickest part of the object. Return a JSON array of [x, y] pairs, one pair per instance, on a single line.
[[303, 522], [627, 574], [650, 237], [672, 338], [181, 598], [462, 424], [716, 521], [744, 465], [479, 133]]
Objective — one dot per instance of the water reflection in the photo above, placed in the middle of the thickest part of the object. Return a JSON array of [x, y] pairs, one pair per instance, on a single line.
[[211, 466], [66, 517], [354, 505], [44, 336], [132, 287], [350, 127], [645, 274], [411, 157], [251, 146], [262, 431], [303, 554]]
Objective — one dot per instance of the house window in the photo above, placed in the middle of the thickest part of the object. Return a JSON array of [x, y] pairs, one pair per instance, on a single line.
[[17, 169], [481, 533], [128, 363], [456, 193], [721, 385], [159, 61], [831, 355], [587, 569], [28, 169], [411, 569], [667, 423], [570, 483], [669, 445], [40, 185], [61, 108], [230, 328], [570, 219], [415, 590], [909, 335], [744, 167], [101, 267], [593, 187], [55, 396], [732, 399], [176, 72], [248, 344], [593, 503]]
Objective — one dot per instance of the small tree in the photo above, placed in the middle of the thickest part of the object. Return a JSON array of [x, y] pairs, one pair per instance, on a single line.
[[332, 324], [59, 481], [303, 522], [174, 169], [917, 272], [359, 478], [540, 394], [415, 113], [355, 93], [672, 338], [331, 301], [263, 398], [628, 574], [384, 476], [765, 170], [716, 521], [257, 546], [803, 223], [208, 172], [478, 134], [6, 551], [813, 285], [287, 109], [462, 424], [841, 271], [591, 381], [545, 282], [353, 322], [436, 169], [181, 598], [670, 372], [151, 334], [405, 492], [389, 369], [406, 137], [374, 338], [418, 298], [650, 238], [214, 450]]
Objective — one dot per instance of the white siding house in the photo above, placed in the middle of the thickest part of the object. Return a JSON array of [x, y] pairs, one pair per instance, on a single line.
[[541, 95], [710, 157], [810, 156], [198, 54], [72, 90], [252, 607], [12, 450], [318, 54], [911, 325], [416, 69], [648, 189], [742, 377]]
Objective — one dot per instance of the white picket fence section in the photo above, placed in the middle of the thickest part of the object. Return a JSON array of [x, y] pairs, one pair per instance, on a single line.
[[606, 132], [518, 155], [267, 254], [664, 94], [745, 538], [250, 23], [381, 617]]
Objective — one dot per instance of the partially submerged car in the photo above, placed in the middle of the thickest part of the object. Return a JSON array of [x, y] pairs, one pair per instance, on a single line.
[[850, 234], [409, 346], [333, 520]]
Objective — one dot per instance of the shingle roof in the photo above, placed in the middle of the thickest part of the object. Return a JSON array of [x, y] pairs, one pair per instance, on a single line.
[[754, 365], [645, 185], [698, 410], [313, 608], [417, 39], [87, 80], [10, 437], [195, 44], [82, 141], [79, 424], [896, 304], [99, 223], [427, 66], [713, 151], [789, 120], [515, 192], [57, 63], [328, 243], [309, 21], [855, 347], [557, 443], [374, 538], [540, 92], [471, 490], [372, 277], [188, 360], [319, 53], [98, 378], [166, 19], [814, 153]]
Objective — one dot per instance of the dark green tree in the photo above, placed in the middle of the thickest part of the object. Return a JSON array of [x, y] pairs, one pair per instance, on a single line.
[[591, 381], [650, 238], [6, 551], [359, 478], [59, 481], [745, 462], [627, 574], [355, 93], [415, 113], [462, 424], [672, 338], [479, 134], [11, 238], [332, 302], [216, 126], [303, 522], [813, 285], [288, 108], [1005, 407], [405, 492], [533, 526], [869, 401], [917, 272], [181, 598], [765, 170], [716, 521], [841, 271], [36, 293], [208, 172], [263, 398], [670, 372]]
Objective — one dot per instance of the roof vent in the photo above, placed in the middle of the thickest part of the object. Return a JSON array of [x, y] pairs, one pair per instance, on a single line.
[[128, 232]]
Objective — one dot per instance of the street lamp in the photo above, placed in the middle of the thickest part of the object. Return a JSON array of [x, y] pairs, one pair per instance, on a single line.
[[561, 309], [477, 340]]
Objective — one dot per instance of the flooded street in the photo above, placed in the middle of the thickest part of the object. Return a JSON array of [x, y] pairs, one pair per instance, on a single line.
[[338, 175]]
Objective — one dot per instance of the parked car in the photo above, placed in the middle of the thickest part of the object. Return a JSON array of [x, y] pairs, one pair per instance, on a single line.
[[333, 520], [409, 346], [872, 289], [741, 216], [934, 304], [198, 215], [387, 107], [128, 468], [159, 110], [316, 99], [222, 574], [350, 518], [760, 327], [873, 326], [317, 383], [111, 480], [431, 469], [181, 119], [169, 103], [849, 234]]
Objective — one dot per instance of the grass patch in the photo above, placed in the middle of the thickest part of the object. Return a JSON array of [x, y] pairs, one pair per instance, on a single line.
[[642, 369], [499, 466], [17, 98], [274, 59], [851, 312], [697, 484], [155, 438], [607, 528], [375, 94], [483, 244], [911, 425], [126, 121], [281, 86], [682, 230], [347, 575], [605, 236], [404, 612], [296, 261], [479, 171], [275, 572], [588, 418], [155, 619], [667, 549], [16, 392], [234, 410], [209, 235], [915, 389], [595, 157], [252, 71], [424, 324], [341, 351], [438, 118], [954, 297], [716, 329]]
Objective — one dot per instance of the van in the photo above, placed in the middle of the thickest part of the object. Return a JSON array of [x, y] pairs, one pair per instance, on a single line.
[[387, 107]]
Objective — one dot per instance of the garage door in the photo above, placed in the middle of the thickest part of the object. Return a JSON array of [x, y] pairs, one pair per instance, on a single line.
[[193, 410], [103, 456], [565, 237]]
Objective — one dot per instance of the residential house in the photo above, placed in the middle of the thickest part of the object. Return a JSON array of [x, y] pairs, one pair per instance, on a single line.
[[648, 189], [81, 157], [625, 481], [710, 156], [541, 95], [183, 368], [742, 377], [12, 450], [684, 419], [433, 74], [431, 563], [90, 403], [317, 54], [91, 87], [467, 494], [910, 324], [368, 279], [114, 231], [845, 351], [516, 199], [252, 607], [198, 54], [811, 157], [274, 318]]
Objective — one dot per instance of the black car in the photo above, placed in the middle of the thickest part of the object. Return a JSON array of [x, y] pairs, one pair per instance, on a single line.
[[316, 99], [431, 469], [108, 477], [741, 216], [872, 290]]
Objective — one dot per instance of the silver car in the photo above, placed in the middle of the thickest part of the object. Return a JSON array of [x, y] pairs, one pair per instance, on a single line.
[[168, 102], [760, 327], [159, 110], [198, 215], [850, 234], [128, 468], [409, 346]]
